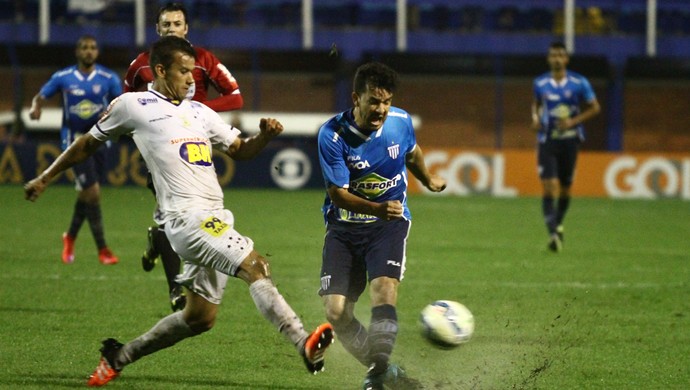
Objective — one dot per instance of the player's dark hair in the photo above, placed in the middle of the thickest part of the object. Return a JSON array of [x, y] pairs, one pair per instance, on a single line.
[[163, 51], [557, 45], [172, 7], [86, 37], [375, 75]]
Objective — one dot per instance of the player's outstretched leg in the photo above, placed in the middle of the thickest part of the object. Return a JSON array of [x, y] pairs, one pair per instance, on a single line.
[[315, 346], [105, 371]]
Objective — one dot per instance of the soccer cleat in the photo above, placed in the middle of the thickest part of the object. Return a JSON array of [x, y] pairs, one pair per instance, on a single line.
[[315, 346], [555, 243], [178, 300], [105, 372], [560, 231], [395, 377], [67, 248], [106, 257], [148, 260]]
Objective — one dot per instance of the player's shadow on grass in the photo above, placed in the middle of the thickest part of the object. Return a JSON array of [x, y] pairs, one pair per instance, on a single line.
[[51, 381]]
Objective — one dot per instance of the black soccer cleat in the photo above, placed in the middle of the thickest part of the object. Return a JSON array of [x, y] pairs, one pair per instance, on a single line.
[[148, 260], [178, 299], [555, 243], [105, 371]]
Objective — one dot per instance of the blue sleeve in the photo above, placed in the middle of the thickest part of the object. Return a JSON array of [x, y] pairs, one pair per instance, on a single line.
[[333, 164], [587, 91], [51, 87], [115, 86]]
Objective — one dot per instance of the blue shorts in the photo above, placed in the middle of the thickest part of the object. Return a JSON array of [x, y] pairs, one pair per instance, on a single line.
[[557, 159], [354, 254], [91, 170]]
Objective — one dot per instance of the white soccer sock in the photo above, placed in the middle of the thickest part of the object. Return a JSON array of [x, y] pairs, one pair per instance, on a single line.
[[275, 309], [165, 333]]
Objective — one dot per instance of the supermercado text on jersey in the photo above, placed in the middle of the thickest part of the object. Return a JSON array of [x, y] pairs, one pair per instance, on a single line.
[[176, 140]]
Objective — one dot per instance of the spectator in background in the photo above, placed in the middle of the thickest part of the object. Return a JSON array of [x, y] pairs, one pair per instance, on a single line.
[[86, 88], [208, 71], [562, 101]]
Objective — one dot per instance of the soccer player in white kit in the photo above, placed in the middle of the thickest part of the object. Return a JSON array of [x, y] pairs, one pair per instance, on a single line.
[[175, 137]]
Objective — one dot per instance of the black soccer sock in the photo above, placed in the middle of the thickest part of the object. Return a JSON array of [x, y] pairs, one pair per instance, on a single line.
[[549, 211], [78, 217], [95, 218], [382, 333], [355, 340], [563, 204], [170, 259]]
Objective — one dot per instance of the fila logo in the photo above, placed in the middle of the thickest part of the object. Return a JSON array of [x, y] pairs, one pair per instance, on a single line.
[[394, 151], [393, 263], [325, 282]]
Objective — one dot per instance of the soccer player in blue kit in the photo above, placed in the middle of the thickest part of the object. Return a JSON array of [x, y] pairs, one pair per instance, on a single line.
[[364, 153], [87, 88], [563, 100]]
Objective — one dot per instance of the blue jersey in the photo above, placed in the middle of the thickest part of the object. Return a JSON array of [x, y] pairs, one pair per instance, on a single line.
[[371, 167], [84, 98], [561, 100]]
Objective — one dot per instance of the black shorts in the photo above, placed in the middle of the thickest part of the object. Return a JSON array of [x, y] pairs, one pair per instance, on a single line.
[[91, 170], [354, 254], [557, 159]]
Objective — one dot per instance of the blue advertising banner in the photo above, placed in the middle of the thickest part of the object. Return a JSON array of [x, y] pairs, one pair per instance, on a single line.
[[289, 163]]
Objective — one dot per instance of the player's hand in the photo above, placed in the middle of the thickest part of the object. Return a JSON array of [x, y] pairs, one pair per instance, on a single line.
[[35, 113], [34, 188], [564, 124], [391, 209], [270, 127], [436, 184]]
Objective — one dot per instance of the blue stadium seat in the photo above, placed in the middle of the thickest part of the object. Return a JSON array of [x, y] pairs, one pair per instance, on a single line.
[[380, 15]]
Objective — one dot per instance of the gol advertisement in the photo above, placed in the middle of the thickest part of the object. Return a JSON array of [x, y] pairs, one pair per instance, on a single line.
[[511, 173]]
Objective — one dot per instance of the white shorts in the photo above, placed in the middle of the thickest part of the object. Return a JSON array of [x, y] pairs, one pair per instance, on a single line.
[[210, 249]]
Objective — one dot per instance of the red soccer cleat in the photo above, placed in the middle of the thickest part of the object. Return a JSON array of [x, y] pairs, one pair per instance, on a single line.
[[106, 257], [315, 346], [67, 248], [105, 372]]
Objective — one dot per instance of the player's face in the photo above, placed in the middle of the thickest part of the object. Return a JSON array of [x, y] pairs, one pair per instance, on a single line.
[[172, 23], [87, 52], [177, 79], [557, 59], [371, 108]]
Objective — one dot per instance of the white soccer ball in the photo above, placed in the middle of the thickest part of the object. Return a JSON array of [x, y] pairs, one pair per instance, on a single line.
[[448, 323]]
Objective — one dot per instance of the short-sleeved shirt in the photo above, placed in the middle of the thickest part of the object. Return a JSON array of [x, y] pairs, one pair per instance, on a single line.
[[176, 141], [84, 97], [208, 71], [559, 100], [369, 166]]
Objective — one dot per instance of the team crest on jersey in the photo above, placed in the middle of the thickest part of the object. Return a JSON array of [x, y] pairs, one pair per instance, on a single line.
[[373, 185], [196, 153], [394, 151], [96, 88]]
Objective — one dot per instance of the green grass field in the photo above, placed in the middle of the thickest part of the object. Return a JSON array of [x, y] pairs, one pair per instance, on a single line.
[[610, 312]]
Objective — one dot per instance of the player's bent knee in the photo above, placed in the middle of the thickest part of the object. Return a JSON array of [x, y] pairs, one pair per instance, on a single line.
[[254, 267]]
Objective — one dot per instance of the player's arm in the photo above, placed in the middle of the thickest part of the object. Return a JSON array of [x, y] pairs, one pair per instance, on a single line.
[[341, 197], [78, 151], [248, 148], [138, 74], [224, 82], [37, 106], [591, 109], [414, 161], [536, 114]]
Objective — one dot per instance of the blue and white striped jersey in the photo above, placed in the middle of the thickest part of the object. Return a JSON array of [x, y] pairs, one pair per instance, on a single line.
[[84, 97], [561, 100], [371, 167]]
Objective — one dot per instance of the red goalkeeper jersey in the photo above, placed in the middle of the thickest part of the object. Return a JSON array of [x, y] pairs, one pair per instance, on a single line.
[[209, 71]]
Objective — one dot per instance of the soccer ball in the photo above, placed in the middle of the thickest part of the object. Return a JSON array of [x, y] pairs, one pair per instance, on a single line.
[[447, 323]]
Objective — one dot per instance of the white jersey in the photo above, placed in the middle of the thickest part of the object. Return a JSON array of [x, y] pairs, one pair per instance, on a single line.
[[176, 140]]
